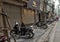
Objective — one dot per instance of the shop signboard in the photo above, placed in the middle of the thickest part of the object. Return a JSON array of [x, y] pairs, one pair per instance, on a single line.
[[34, 4]]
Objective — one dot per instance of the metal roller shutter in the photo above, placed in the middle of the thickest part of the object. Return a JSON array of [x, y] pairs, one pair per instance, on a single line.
[[13, 12], [28, 16]]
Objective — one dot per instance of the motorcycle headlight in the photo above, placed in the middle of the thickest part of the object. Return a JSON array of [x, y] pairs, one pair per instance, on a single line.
[[31, 27]]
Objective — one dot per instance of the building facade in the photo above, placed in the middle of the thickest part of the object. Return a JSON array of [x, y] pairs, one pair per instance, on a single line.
[[17, 11]]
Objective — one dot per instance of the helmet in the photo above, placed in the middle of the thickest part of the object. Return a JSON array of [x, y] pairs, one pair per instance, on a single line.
[[16, 23]]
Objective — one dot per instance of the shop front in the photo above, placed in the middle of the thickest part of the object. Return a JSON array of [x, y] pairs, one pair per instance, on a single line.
[[13, 12], [27, 16]]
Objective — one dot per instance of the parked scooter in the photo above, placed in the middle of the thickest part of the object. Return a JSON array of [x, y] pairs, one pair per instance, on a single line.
[[24, 31]]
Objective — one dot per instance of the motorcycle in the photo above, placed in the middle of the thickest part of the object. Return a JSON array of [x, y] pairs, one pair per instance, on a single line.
[[28, 33], [2, 38], [42, 25]]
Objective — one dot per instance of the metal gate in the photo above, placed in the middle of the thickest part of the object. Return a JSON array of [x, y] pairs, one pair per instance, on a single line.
[[13, 12], [28, 16]]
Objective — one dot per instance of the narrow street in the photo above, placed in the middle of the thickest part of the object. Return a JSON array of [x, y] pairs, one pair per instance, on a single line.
[[54, 36], [29, 20], [57, 33]]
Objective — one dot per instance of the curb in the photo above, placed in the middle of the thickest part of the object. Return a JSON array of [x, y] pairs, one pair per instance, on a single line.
[[51, 36], [44, 35]]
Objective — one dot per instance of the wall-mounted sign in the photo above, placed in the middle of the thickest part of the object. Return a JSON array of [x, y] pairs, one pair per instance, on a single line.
[[34, 4]]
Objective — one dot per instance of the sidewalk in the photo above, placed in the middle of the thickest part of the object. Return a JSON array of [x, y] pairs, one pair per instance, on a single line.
[[39, 34], [56, 34], [44, 37]]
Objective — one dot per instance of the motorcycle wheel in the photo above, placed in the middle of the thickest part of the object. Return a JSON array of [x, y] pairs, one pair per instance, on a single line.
[[13, 35], [29, 34], [44, 27]]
